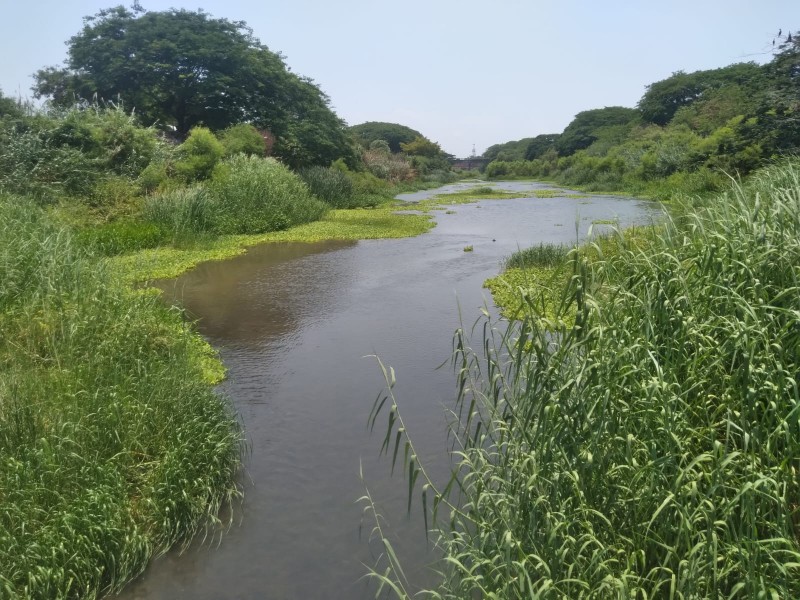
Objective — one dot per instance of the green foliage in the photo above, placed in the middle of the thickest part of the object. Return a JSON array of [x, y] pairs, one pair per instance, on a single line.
[[543, 255], [198, 155], [32, 163], [508, 151], [541, 144], [421, 146], [664, 98], [589, 125], [183, 213], [182, 69], [380, 146], [393, 168], [119, 237], [112, 446], [392, 133], [243, 139], [257, 195], [332, 186], [651, 451]]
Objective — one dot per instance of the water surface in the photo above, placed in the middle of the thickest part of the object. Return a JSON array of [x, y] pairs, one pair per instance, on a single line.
[[296, 325]]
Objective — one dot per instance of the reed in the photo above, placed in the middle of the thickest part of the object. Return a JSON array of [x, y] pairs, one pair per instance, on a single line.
[[651, 449], [112, 446]]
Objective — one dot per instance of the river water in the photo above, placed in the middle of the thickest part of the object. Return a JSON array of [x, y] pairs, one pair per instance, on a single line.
[[298, 326]]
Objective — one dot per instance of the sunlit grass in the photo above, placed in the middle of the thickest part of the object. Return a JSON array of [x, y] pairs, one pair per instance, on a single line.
[[113, 445], [648, 449]]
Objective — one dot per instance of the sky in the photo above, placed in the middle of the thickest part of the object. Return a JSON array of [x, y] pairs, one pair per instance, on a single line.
[[463, 73]]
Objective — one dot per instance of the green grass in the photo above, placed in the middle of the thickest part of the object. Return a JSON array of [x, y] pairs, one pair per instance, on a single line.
[[650, 448], [113, 445]]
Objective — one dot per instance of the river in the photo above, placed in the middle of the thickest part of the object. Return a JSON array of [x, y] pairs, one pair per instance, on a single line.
[[298, 326]]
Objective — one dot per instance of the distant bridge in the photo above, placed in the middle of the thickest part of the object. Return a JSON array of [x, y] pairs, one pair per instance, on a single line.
[[467, 164]]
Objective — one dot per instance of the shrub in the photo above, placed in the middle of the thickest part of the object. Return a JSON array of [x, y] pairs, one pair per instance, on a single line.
[[256, 195], [243, 139], [198, 155], [329, 185], [543, 255], [183, 212]]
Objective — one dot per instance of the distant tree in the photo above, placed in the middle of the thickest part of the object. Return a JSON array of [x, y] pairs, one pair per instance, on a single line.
[[182, 69], [393, 133], [541, 144], [663, 98], [591, 125], [421, 146], [508, 151], [9, 107]]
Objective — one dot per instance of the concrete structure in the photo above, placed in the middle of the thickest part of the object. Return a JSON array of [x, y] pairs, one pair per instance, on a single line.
[[467, 164]]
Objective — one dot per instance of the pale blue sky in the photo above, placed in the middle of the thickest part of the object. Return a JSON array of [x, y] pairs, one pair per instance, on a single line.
[[462, 72]]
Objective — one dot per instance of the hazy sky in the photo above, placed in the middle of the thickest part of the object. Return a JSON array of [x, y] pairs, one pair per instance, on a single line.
[[461, 72]]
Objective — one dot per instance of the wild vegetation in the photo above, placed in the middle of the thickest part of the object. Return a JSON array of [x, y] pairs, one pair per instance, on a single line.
[[687, 132], [113, 446], [646, 448]]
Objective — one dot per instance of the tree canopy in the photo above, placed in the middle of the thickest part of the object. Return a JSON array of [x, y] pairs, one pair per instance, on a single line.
[[392, 133], [180, 69], [663, 98], [590, 125]]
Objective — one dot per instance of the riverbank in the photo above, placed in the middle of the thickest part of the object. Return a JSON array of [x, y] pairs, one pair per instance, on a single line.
[[660, 428], [113, 445]]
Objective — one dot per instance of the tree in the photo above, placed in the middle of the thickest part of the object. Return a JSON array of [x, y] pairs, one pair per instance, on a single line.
[[541, 144], [181, 69], [421, 146], [590, 125], [663, 98], [508, 151], [392, 133]]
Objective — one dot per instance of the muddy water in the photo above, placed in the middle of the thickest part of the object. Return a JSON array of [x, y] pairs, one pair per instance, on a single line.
[[296, 325]]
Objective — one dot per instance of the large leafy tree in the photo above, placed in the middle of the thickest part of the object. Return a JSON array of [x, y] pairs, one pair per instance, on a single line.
[[663, 98], [392, 133], [180, 69], [590, 125]]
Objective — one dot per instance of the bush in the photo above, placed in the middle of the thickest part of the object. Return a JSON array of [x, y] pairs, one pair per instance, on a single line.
[[256, 195], [198, 155], [182, 213], [243, 139], [330, 185]]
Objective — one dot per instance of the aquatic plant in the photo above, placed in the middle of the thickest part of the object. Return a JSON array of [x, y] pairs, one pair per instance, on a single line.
[[651, 448]]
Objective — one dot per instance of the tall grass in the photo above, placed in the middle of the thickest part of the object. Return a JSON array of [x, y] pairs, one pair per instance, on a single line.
[[112, 447], [543, 255], [652, 449], [183, 212], [257, 195]]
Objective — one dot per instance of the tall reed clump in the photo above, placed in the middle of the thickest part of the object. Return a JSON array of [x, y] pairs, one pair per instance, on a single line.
[[652, 449], [257, 195], [112, 447], [182, 212], [330, 185]]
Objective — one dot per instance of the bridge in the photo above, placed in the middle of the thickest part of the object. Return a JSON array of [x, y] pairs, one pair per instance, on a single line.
[[467, 164]]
